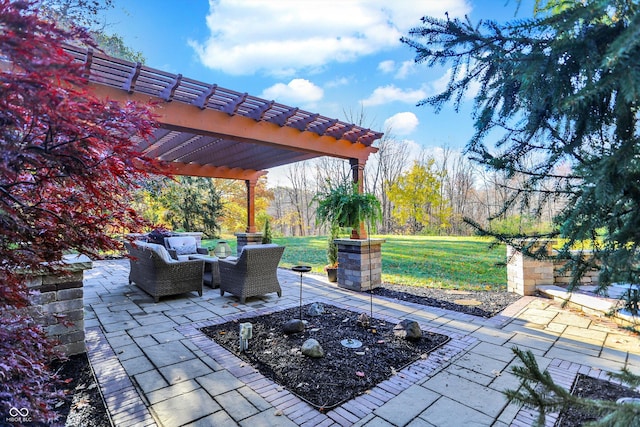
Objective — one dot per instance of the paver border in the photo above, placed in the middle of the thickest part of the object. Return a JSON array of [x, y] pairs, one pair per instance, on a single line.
[[124, 404], [350, 412]]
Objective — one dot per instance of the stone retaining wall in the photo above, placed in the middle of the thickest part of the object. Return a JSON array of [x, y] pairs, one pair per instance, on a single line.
[[562, 277], [57, 303], [524, 273]]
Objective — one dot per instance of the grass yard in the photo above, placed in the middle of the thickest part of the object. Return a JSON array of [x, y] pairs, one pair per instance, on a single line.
[[464, 263]]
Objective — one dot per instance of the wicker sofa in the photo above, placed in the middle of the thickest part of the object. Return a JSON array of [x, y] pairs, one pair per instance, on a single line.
[[154, 271], [253, 273]]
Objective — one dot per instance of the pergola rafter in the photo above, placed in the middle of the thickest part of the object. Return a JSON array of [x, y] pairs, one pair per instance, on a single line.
[[209, 131]]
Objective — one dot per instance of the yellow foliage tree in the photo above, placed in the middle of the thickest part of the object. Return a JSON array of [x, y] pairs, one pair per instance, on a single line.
[[234, 195], [417, 200]]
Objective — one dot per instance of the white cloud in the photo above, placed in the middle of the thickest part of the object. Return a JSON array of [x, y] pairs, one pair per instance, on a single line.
[[401, 123], [401, 70], [406, 68], [296, 91], [280, 37], [387, 66], [415, 150], [390, 93], [340, 81]]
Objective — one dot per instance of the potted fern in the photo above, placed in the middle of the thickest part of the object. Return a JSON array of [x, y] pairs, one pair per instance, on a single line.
[[344, 206]]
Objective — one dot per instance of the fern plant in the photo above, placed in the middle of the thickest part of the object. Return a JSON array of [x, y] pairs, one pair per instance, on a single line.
[[345, 206]]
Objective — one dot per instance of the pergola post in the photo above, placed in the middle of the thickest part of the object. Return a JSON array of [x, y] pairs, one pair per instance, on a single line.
[[357, 173], [251, 236], [251, 205]]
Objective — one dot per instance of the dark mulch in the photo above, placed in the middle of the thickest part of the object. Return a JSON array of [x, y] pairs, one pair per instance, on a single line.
[[343, 373], [84, 406], [591, 388], [476, 303]]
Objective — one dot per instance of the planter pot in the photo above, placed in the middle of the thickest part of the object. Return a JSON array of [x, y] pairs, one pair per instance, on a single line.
[[332, 274]]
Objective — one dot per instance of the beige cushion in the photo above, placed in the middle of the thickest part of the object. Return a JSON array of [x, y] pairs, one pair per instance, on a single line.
[[183, 245], [159, 249]]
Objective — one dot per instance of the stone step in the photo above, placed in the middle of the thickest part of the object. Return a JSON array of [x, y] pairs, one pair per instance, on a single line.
[[592, 304]]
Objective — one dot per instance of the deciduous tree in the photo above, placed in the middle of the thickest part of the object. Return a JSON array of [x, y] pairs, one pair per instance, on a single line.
[[89, 14], [68, 164], [185, 203], [416, 198], [234, 195]]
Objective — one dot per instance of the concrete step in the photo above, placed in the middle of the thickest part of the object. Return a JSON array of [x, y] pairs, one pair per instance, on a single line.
[[591, 303]]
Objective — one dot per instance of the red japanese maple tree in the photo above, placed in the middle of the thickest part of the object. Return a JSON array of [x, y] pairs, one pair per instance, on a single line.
[[67, 167]]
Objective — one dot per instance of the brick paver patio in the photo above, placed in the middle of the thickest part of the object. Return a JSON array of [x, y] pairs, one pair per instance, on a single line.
[[156, 368]]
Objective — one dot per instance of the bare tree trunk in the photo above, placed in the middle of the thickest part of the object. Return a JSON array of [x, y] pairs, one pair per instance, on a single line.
[[384, 168], [300, 195]]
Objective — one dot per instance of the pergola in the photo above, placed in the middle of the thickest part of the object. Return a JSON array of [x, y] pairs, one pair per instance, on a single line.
[[209, 131]]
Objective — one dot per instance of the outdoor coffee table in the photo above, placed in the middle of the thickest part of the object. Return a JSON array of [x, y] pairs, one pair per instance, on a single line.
[[211, 276]]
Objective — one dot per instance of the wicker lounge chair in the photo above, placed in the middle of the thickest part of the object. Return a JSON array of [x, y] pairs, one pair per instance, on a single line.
[[180, 247], [155, 272], [253, 273]]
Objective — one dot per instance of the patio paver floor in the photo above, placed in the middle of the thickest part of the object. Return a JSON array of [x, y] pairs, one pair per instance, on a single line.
[[156, 368]]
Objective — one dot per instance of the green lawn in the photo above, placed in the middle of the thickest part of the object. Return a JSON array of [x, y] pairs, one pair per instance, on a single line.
[[442, 262]]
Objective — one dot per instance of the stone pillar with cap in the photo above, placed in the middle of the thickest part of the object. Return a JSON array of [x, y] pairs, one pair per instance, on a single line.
[[359, 263]]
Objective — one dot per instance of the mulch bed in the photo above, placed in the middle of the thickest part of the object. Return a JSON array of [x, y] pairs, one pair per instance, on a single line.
[[476, 303], [343, 373], [591, 388], [84, 406]]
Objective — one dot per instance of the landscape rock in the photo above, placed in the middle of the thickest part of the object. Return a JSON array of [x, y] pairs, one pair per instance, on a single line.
[[293, 326], [363, 320], [408, 329], [312, 348], [316, 309]]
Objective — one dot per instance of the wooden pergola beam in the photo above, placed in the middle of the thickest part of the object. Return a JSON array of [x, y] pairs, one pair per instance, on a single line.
[[188, 118], [192, 169]]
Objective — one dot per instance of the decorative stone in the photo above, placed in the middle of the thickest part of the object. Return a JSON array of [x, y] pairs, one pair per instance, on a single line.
[[312, 348], [408, 329], [293, 326], [316, 309], [363, 320]]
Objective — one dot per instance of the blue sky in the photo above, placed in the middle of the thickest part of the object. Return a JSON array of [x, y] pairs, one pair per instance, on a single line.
[[333, 57]]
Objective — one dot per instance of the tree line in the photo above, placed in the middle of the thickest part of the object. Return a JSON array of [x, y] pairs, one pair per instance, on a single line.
[[435, 194]]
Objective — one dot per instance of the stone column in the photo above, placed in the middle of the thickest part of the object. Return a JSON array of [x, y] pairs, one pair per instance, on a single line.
[[57, 303], [359, 263], [245, 239], [525, 273]]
